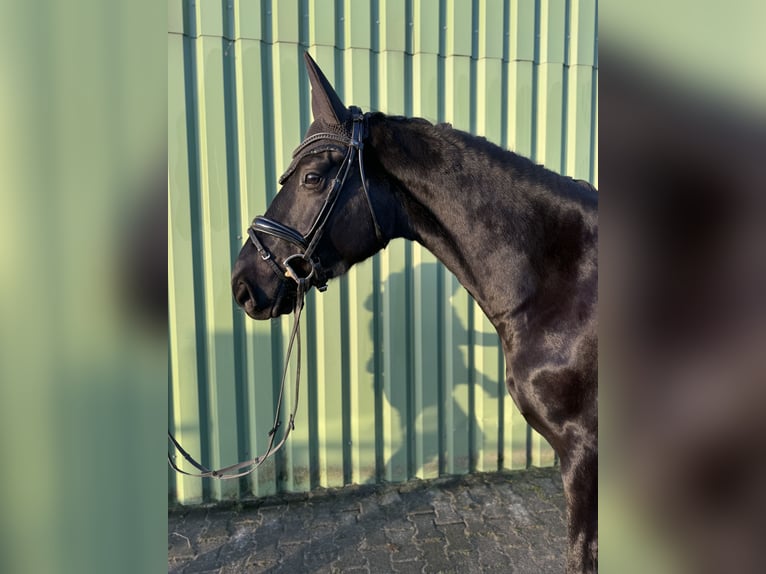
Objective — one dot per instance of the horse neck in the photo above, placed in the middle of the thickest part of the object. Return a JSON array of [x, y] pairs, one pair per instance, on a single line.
[[480, 210]]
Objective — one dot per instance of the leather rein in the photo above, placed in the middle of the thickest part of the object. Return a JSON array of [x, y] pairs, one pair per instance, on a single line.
[[302, 268]]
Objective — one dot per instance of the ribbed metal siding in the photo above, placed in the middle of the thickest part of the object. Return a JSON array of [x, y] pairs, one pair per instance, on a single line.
[[403, 373]]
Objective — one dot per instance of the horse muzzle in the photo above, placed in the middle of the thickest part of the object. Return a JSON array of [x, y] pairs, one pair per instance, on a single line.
[[256, 303]]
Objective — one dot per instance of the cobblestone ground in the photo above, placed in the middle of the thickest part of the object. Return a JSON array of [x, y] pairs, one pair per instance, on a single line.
[[498, 522]]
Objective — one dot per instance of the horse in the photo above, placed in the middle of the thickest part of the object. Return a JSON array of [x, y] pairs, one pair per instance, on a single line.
[[520, 238]]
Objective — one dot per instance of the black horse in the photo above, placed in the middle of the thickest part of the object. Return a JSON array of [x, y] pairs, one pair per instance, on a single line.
[[521, 239]]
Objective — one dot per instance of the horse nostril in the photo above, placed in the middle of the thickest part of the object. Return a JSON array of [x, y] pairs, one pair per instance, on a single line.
[[242, 294]]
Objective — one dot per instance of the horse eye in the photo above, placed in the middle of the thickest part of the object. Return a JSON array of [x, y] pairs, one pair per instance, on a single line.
[[311, 179]]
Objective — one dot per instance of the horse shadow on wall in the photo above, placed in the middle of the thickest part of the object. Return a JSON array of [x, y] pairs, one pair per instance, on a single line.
[[452, 438]]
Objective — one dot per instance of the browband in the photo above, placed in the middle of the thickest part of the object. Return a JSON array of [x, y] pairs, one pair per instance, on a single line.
[[297, 157]]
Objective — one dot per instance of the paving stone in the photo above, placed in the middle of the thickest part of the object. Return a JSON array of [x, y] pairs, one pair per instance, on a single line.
[[400, 534], [266, 553], [524, 562], [207, 545], [425, 527], [204, 563], [320, 554], [268, 536], [463, 501], [193, 526], [261, 565], [179, 545], [456, 536], [389, 497], [349, 557], [408, 567], [473, 521], [176, 565], [494, 558], [237, 566], [236, 550], [402, 522], [218, 523], [268, 515], [411, 486], [379, 560], [294, 532], [445, 513], [509, 536], [419, 505], [496, 522], [435, 557], [176, 520], [376, 537], [463, 562], [369, 507], [346, 518], [404, 552]]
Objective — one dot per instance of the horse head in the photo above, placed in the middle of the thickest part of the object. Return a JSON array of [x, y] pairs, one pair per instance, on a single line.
[[327, 215]]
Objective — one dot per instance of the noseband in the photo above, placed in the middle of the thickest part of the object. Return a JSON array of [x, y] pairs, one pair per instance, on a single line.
[[304, 266], [304, 269]]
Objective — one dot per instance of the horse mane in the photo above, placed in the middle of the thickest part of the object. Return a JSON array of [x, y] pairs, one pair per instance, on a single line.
[[442, 147], [538, 211]]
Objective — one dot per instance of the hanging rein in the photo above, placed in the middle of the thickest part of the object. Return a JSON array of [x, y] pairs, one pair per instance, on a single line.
[[304, 269]]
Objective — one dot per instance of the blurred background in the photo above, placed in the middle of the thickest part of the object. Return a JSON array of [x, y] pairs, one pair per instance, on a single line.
[[682, 143], [83, 338], [83, 360]]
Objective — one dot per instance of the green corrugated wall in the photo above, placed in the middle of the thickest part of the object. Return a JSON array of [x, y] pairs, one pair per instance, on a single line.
[[403, 373]]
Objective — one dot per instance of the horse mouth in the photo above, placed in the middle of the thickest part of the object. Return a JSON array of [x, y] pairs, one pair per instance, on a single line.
[[246, 297], [283, 303]]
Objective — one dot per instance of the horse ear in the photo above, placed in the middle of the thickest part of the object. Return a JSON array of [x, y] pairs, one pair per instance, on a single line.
[[325, 103]]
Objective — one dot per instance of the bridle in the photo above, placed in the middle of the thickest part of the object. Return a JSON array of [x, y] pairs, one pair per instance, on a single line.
[[303, 268], [310, 267]]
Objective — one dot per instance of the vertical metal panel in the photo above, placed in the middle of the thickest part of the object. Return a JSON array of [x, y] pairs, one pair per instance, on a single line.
[[404, 376], [184, 399]]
